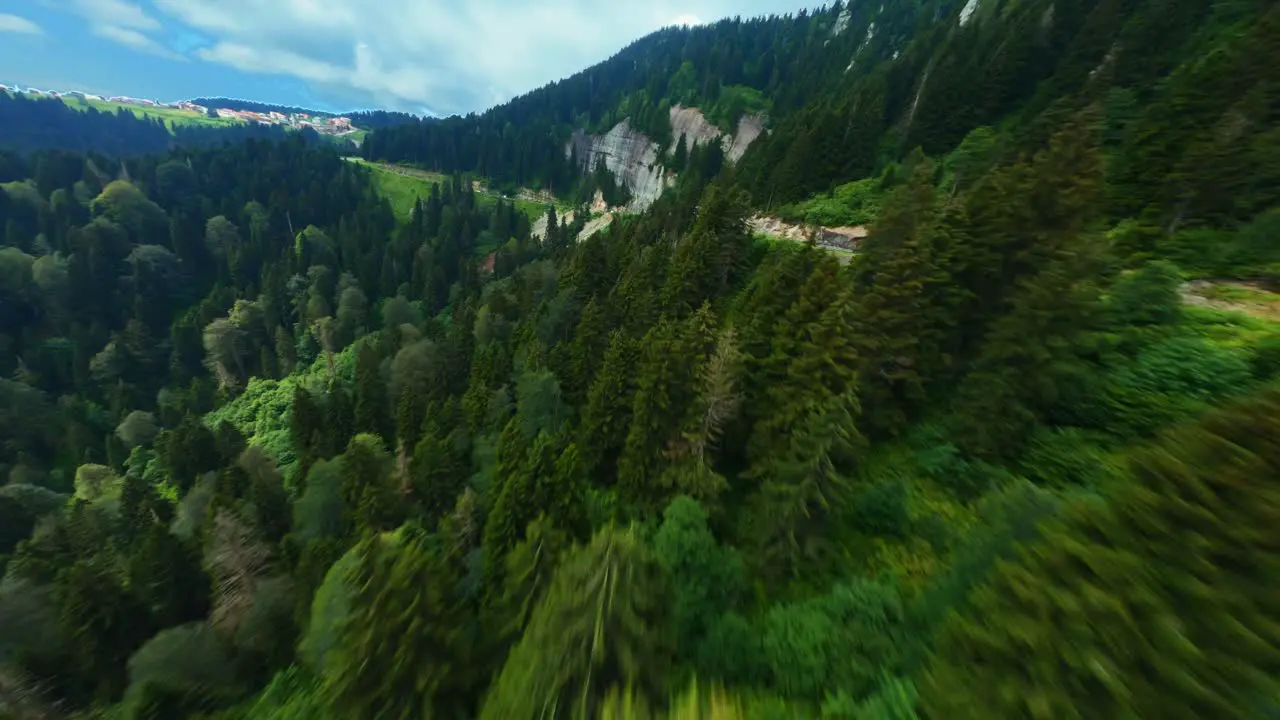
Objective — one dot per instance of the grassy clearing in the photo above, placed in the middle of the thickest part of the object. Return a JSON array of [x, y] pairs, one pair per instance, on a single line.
[[402, 185], [172, 118]]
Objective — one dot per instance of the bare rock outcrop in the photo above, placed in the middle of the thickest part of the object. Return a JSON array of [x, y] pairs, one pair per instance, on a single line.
[[694, 127], [629, 154], [838, 238], [750, 127], [635, 160]]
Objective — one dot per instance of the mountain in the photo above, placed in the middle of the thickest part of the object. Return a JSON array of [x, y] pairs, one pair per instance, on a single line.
[[287, 434], [848, 90]]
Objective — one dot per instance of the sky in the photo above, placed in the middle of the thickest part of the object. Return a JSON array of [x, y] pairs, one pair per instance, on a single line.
[[432, 57]]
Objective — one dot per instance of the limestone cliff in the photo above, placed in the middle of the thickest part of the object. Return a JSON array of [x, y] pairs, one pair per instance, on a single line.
[[629, 154], [696, 129], [635, 159]]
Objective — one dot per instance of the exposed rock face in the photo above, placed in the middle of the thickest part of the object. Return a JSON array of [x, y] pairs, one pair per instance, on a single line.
[[634, 159], [839, 238], [690, 124], [630, 155], [539, 228], [595, 225], [750, 127], [694, 127]]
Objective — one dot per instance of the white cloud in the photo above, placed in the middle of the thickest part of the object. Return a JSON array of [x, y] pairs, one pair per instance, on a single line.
[[439, 54], [687, 19], [136, 40], [116, 13], [15, 24], [125, 23]]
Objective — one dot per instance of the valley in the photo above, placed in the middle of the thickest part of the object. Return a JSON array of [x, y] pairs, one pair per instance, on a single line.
[[915, 360]]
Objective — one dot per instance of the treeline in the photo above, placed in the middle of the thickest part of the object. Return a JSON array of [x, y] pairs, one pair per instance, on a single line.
[[34, 124], [378, 119]]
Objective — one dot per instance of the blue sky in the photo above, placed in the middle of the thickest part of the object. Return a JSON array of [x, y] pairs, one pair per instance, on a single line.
[[423, 56]]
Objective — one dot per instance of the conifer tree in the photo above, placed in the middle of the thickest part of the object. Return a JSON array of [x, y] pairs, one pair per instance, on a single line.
[[369, 494], [602, 622], [586, 352], [437, 470], [102, 624], [665, 383], [1153, 605], [907, 304], [607, 417], [370, 395], [813, 361], [398, 653]]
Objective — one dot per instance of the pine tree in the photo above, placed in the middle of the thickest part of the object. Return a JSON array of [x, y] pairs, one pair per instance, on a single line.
[[586, 352], [399, 653], [370, 396], [907, 304], [1014, 383], [165, 575], [718, 403], [812, 360], [607, 417], [602, 622], [665, 385], [1155, 604], [437, 470], [510, 501], [102, 624], [368, 489]]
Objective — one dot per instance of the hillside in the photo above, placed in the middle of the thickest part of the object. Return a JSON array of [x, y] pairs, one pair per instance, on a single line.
[[83, 123], [290, 434]]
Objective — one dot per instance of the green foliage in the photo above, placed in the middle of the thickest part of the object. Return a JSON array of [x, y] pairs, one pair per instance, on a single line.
[[1103, 616], [1171, 380], [293, 694], [734, 102], [398, 653], [538, 403], [706, 578], [855, 203], [1148, 296], [839, 641], [847, 475], [368, 488], [187, 658], [319, 511], [602, 622], [329, 609]]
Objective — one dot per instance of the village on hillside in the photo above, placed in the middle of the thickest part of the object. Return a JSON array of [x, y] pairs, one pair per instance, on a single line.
[[322, 124]]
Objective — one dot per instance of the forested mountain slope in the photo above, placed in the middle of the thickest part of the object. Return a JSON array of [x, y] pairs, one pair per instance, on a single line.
[[32, 124], [270, 453]]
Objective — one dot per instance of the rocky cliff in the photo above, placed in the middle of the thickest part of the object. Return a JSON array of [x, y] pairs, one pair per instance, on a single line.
[[629, 154], [696, 129], [635, 159]]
